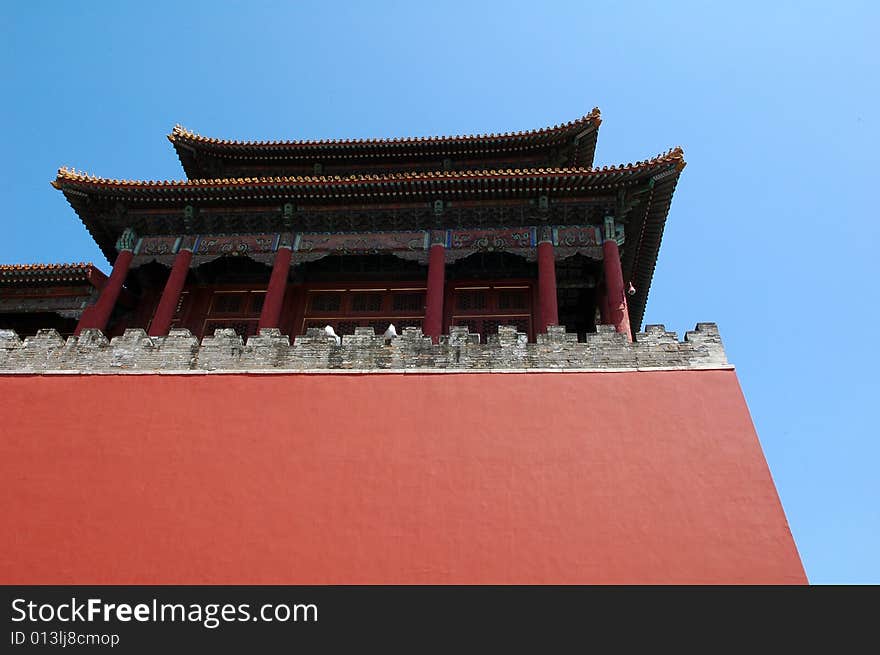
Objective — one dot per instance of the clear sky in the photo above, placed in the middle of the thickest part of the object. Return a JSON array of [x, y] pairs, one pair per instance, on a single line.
[[773, 231]]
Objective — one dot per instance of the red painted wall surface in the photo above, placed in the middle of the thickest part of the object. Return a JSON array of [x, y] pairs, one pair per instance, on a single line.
[[648, 477]]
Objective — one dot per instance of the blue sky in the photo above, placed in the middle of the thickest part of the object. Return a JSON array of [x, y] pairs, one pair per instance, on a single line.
[[772, 233]]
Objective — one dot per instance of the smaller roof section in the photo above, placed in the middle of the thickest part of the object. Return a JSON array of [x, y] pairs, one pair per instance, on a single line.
[[570, 145], [51, 274]]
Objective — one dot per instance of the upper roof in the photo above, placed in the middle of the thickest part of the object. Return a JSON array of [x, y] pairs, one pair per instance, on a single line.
[[28, 274], [570, 145]]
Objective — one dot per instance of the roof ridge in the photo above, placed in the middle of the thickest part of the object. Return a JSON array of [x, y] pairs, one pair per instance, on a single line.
[[672, 155], [182, 133]]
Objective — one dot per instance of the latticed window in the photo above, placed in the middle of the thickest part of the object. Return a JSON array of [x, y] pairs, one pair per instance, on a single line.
[[326, 302], [471, 300], [227, 303], [483, 310], [408, 302], [513, 299], [256, 302], [366, 302], [238, 310]]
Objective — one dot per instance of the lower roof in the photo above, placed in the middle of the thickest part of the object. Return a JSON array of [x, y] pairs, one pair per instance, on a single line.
[[71, 273]]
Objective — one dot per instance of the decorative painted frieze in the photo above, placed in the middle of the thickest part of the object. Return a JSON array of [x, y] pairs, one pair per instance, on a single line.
[[411, 245], [583, 240], [256, 246], [310, 247]]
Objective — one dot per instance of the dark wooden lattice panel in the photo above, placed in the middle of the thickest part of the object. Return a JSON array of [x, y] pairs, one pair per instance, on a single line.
[[325, 302], [366, 302], [256, 303], [408, 302], [228, 303], [513, 299], [471, 300]]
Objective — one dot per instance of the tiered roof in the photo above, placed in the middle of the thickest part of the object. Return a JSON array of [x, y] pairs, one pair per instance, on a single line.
[[107, 206]]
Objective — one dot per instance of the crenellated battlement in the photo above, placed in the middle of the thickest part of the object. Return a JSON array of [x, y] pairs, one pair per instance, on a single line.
[[271, 351]]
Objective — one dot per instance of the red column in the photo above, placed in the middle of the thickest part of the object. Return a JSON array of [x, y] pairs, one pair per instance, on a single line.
[[97, 316], [270, 316], [171, 294], [618, 313], [433, 323], [549, 312]]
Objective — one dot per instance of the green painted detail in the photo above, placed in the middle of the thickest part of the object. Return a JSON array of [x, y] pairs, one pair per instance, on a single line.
[[126, 240], [609, 227]]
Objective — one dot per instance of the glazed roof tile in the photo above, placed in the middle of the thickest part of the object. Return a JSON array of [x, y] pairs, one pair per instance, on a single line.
[[66, 272], [593, 177], [180, 133]]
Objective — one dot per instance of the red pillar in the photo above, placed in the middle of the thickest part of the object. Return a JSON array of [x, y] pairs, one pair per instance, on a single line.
[[270, 316], [171, 294], [97, 316], [549, 312], [618, 312], [433, 324]]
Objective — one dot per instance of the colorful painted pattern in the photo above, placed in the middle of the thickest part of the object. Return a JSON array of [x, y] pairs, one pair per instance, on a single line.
[[577, 236], [235, 244], [364, 242], [490, 240], [157, 246]]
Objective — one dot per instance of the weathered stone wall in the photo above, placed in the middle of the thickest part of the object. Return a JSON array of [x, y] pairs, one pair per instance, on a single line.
[[134, 351]]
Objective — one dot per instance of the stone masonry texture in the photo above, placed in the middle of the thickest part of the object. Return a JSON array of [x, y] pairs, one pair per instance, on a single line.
[[460, 350]]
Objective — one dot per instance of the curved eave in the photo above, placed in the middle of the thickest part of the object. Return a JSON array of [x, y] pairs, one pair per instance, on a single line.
[[437, 185], [643, 242], [191, 146]]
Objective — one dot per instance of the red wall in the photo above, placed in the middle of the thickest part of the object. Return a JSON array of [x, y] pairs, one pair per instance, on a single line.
[[647, 477]]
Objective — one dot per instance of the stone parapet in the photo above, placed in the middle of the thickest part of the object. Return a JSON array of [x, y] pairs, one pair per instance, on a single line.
[[271, 351]]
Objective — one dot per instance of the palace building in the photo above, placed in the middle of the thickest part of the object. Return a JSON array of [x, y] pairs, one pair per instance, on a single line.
[[409, 360]]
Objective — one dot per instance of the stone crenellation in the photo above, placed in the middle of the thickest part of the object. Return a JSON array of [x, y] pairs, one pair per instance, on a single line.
[[460, 350]]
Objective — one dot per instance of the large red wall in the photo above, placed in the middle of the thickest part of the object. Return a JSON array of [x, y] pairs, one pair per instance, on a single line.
[[650, 477]]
